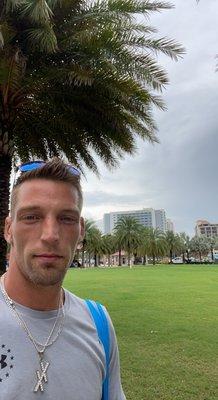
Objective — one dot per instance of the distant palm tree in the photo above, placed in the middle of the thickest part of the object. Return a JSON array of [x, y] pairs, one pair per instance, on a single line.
[[127, 231], [185, 245], [88, 225], [212, 243], [109, 246], [118, 245], [142, 249], [156, 244], [173, 243], [199, 245], [94, 244]]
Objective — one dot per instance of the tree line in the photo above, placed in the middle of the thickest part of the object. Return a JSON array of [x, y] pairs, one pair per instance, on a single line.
[[141, 242]]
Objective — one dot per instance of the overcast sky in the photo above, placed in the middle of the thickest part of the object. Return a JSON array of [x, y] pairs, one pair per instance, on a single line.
[[180, 173]]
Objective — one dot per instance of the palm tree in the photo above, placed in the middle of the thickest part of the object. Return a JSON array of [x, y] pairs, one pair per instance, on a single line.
[[212, 243], [185, 245], [142, 249], [94, 244], [173, 243], [108, 246], [156, 244], [88, 226], [118, 244], [200, 245], [127, 231], [76, 78]]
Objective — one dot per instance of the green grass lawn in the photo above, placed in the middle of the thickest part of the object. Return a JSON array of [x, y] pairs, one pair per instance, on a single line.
[[166, 319]]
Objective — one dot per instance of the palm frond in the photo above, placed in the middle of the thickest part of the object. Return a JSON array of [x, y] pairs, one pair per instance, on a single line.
[[166, 46], [12, 5], [94, 89], [134, 6], [38, 11], [1, 39], [42, 38]]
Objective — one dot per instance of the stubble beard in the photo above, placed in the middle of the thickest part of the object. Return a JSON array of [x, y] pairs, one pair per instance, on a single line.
[[46, 275]]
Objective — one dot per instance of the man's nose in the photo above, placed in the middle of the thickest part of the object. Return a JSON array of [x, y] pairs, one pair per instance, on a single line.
[[50, 230]]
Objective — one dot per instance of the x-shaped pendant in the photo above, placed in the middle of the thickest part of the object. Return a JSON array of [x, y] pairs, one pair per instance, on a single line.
[[41, 376]]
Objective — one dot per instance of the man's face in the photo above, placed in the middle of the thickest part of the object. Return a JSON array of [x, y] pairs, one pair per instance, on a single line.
[[45, 230]]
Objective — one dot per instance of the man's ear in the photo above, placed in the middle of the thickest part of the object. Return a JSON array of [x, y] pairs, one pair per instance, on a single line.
[[82, 229], [7, 230]]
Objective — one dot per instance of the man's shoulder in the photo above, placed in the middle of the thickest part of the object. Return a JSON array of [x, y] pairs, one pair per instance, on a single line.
[[74, 301], [77, 306]]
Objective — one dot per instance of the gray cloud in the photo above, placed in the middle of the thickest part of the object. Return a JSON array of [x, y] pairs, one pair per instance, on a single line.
[[179, 174], [96, 198]]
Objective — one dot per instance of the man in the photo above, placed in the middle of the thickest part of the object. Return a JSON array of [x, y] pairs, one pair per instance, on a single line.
[[49, 347]]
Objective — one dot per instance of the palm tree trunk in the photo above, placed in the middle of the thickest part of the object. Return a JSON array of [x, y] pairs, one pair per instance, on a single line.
[[200, 255], [119, 263], [171, 256], [5, 172], [128, 259], [95, 258], [129, 255], [211, 250], [77, 254], [153, 258], [83, 258], [183, 258]]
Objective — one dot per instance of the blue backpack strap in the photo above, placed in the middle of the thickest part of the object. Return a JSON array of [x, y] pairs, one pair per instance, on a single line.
[[102, 328]]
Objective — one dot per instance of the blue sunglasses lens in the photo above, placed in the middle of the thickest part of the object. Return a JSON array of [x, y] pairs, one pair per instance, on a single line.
[[30, 166], [74, 170]]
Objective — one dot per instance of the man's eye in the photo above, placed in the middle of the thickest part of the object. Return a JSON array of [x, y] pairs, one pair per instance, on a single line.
[[69, 220], [30, 217]]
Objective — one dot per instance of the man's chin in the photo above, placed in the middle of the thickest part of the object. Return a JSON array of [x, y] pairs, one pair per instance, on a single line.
[[46, 275], [47, 280]]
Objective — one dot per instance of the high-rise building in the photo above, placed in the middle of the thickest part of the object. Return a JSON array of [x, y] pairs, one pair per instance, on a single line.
[[169, 225], [204, 227], [147, 217], [160, 220]]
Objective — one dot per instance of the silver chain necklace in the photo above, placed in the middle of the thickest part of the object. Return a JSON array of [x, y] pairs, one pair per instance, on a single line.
[[40, 348]]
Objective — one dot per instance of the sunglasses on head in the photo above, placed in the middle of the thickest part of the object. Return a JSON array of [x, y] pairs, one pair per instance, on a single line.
[[31, 165]]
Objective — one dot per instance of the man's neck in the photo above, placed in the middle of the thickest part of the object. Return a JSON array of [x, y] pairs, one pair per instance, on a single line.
[[33, 296]]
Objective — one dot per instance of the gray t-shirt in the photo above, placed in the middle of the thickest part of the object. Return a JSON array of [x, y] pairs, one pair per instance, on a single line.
[[77, 358]]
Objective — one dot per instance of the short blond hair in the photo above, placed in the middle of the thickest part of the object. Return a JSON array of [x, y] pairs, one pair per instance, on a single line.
[[55, 170]]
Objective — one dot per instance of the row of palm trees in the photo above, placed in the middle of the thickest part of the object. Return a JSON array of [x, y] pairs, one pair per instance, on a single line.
[[138, 241]]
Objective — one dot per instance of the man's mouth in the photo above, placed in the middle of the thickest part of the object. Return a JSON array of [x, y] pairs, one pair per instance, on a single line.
[[48, 256]]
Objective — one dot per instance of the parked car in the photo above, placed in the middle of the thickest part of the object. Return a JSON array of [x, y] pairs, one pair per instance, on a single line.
[[207, 260], [177, 260], [190, 260], [75, 264]]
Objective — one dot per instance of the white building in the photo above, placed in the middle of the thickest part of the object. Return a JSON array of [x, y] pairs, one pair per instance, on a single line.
[[160, 220], [170, 225], [147, 217], [204, 227]]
